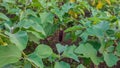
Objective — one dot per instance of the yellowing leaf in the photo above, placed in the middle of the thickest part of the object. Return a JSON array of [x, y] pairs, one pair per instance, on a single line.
[[93, 2], [70, 12], [94, 22], [108, 1], [99, 5], [73, 14], [5, 44], [72, 1]]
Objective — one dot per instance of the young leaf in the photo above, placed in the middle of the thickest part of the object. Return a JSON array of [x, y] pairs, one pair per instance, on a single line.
[[43, 51]]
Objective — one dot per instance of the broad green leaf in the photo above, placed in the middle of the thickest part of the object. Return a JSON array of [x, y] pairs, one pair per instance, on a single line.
[[30, 12], [58, 12], [43, 3], [96, 44], [66, 7], [53, 57], [37, 34], [9, 54], [96, 30], [96, 60], [20, 39], [74, 28], [14, 11], [88, 51], [118, 50], [95, 20], [69, 52], [110, 59], [34, 38], [34, 25], [61, 65], [84, 36], [3, 16], [9, 1], [60, 48], [119, 26], [27, 64], [50, 28], [103, 26], [81, 66], [36, 60], [110, 49], [46, 17], [43, 51], [27, 13]]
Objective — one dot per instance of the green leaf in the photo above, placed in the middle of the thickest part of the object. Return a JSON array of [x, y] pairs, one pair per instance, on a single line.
[[61, 65], [74, 28], [88, 51], [98, 30], [84, 36], [69, 52], [103, 26], [66, 7], [46, 17], [94, 19], [50, 28], [33, 38], [36, 60], [20, 39], [9, 1], [110, 49], [58, 12], [81, 66], [3, 16], [9, 54], [96, 44], [27, 64], [30, 12], [43, 51], [33, 24], [60, 48], [43, 3], [118, 50], [110, 59], [37, 34], [96, 60], [26, 14], [53, 57]]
